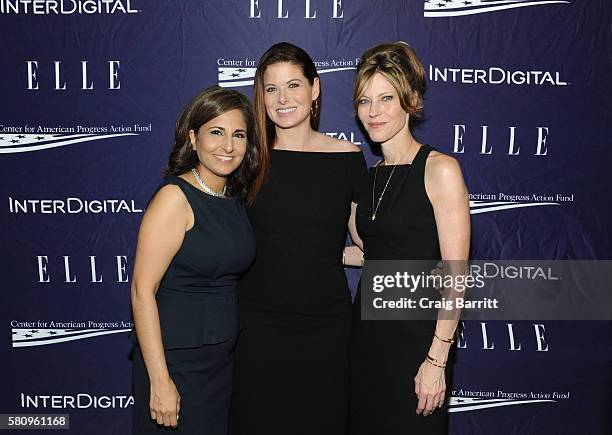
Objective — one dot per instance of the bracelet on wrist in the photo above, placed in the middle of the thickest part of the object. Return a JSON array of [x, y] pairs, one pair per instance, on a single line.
[[431, 360], [445, 340]]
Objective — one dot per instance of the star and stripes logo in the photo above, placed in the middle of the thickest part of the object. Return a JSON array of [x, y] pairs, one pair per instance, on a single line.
[[455, 8], [477, 207], [464, 404], [236, 77], [22, 337], [21, 143]]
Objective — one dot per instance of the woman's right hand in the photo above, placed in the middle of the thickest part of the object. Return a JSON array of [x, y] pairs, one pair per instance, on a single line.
[[165, 403]]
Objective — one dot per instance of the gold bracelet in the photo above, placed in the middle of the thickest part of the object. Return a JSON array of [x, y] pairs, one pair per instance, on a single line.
[[449, 341], [344, 257], [431, 360]]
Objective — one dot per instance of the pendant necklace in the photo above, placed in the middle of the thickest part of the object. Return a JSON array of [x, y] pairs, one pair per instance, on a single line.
[[375, 209], [207, 189]]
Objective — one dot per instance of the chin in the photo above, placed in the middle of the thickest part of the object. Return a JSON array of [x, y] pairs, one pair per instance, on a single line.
[[223, 172], [288, 122], [378, 137]]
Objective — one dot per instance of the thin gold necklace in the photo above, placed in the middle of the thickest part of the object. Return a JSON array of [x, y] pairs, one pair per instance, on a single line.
[[375, 209]]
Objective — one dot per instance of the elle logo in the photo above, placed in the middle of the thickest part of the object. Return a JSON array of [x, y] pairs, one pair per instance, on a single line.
[[284, 7], [60, 84], [485, 341], [513, 149], [69, 276]]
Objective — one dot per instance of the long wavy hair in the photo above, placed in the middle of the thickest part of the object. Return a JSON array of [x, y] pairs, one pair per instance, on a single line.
[[264, 127], [205, 106]]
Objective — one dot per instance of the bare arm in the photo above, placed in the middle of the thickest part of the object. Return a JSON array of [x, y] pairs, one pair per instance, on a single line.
[[161, 234], [352, 227], [353, 255], [449, 197]]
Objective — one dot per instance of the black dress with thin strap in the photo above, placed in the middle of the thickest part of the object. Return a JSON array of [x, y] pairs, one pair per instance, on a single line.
[[198, 314], [386, 355], [291, 368]]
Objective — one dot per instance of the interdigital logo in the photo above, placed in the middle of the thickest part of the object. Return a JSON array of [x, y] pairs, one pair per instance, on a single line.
[[75, 401], [495, 76], [455, 8], [67, 7], [72, 206]]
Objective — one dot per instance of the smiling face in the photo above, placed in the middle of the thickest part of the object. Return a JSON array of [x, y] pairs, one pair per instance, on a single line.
[[288, 95], [220, 144], [380, 111]]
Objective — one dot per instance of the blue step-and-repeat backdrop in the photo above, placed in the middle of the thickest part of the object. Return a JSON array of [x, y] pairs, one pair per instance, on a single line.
[[518, 91]]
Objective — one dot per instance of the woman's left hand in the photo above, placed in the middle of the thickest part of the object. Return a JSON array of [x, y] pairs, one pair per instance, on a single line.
[[430, 388]]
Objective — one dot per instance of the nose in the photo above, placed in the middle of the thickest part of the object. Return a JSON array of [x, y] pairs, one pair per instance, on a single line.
[[282, 96], [228, 145], [374, 109]]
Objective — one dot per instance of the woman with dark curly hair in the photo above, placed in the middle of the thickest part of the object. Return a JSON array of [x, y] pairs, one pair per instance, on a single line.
[[195, 241]]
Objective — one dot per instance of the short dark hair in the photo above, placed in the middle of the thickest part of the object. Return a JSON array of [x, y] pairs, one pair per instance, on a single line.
[[207, 105]]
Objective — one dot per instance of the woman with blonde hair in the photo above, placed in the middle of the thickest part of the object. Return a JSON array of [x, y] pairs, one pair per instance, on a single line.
[[415, 207]]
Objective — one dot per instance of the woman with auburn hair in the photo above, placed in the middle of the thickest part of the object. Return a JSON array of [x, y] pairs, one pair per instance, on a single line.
[[415, 207], [194, 242], [291, 370]]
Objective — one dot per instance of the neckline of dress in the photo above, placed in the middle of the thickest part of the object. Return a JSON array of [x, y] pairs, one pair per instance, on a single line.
[[315, 152], [391, 166], [206, 194]]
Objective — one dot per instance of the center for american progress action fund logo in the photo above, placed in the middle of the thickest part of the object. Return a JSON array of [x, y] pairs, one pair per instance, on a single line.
[[44, 333], [455, 8]]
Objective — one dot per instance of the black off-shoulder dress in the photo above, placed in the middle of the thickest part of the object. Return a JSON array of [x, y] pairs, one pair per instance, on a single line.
[[291, 368]]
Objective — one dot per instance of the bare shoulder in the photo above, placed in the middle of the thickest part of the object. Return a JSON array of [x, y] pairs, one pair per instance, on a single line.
[[330, 144], [169, 200], [442, 167], [443, 179]]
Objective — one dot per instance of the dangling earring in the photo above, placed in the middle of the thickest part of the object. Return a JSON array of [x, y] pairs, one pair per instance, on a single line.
[[314, 109]]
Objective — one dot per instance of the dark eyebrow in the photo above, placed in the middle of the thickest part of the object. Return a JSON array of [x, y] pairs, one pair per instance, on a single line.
[[240, 130], [219, 128], [288, 81]]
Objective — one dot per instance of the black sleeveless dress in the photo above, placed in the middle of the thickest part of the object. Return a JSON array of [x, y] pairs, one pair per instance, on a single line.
[[291, 368], [386, 355], [198, 313]]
